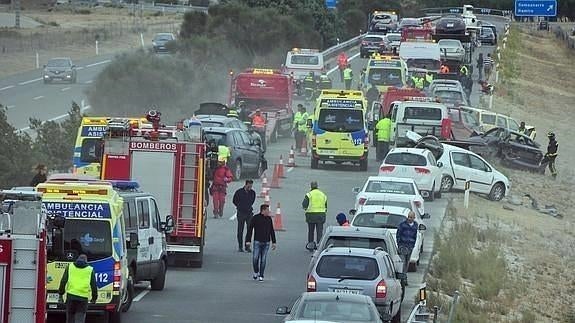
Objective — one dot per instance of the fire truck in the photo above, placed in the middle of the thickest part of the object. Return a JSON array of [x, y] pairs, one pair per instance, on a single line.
[[169, 162], [268, 90], [22, 257]]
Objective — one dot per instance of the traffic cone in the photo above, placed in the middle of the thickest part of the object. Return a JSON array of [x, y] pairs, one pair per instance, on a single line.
[[278, 224], [264, 185], [303, 151], [281, 172], [275, 178], [291, 159], [267, 200]]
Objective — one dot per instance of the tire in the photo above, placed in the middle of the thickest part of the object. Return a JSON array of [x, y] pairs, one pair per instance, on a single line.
[[160, 280], [238, 170], [412, 267], [363, 165], [431, 197], [438, 194], [124, 307], [259, 172], [314, 163], [497, 192], [446, 183]]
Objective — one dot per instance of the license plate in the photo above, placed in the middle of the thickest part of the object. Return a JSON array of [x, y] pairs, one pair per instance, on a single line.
[[346, 291], [52, 298], [325, 151]]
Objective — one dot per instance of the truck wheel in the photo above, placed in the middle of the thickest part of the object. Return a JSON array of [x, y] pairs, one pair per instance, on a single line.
[[314, 163], [160, 280], [363, 165]]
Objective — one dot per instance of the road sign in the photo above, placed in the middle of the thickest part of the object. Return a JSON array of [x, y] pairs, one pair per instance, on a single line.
[[331, 4], [536, 8]]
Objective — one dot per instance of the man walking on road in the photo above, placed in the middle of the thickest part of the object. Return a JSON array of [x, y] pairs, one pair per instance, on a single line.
[[551, 154], [222, 176], [263, 229], [79, 285], [406, 236], [315, 206], [383, 128], [347, 77], [300, 126], [244, 199], [487, 66]]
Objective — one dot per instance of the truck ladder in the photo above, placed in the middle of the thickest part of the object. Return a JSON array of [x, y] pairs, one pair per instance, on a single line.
[[187, 198]]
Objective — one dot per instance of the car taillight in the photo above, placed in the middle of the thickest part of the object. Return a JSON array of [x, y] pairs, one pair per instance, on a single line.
[[117, 275], [311, 287], [421, 170], [381, 290], [362, 200], [386, 169], [366, 142]]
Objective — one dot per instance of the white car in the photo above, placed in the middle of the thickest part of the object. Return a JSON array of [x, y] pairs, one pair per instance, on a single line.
[[461, 165], [389, 217], [451, 49], [393, 191], [418, 164]]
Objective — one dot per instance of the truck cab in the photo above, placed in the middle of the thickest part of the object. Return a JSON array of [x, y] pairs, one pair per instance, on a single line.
[[424, 116]]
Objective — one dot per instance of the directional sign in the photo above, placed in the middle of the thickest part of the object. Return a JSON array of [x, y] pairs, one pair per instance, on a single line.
[[536, 8], [331, 4]]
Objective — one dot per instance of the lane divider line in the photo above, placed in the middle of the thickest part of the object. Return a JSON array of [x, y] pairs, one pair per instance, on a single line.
[[8, 107], [141, 295], [57, 118], [38, 97], [7, 87], [65, 89], [99, 63], [31, 81]]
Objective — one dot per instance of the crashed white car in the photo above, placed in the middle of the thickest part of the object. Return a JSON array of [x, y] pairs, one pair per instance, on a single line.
[[392, 191]]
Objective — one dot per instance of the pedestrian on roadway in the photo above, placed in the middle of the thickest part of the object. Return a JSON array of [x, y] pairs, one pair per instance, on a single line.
[[315, 206], [40, 176], [79, 285], [342, 220], [372, 95], [263, 230], [488, 66], [383, 134], [406, 236], [299, 126], [222, 176], [480, 66], [244, 199], [348, 77]]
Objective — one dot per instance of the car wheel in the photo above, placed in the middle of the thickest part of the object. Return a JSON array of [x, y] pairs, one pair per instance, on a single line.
[[260, 170], [128, 298], [412, 267], [431, 197], [274, 136], [238, 170], [497, 192], [446, 183], [160, 280], [314, 163]]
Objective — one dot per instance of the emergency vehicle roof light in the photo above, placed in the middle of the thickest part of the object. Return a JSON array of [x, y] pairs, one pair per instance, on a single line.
[[125, 185]]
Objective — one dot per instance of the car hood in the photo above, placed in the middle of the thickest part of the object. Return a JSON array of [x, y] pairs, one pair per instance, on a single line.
[[57, 69]]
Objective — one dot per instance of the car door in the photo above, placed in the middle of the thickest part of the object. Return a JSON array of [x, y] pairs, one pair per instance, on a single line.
[[460, 167], [144, 254], [393, 284], [156, 238], [435, 171], [481, 174], [252, 149], [502, 122]]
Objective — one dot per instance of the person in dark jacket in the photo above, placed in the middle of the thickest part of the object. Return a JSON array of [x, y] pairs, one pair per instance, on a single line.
[[263, 229], [79, 284], [40, 176], [406, 236], [244, 199], [372, 95]]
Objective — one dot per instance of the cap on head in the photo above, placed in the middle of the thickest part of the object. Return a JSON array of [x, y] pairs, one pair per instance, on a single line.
[[258, 110], [551, 134], [313, 184]]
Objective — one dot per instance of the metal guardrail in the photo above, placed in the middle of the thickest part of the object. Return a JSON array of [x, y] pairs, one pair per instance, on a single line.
[[477, 11], [336, 49], [164, 7]]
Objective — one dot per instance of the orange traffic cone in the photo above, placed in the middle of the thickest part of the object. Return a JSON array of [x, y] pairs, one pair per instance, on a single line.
[[281, 172], [278, 224], [303, 151], [267, 200], [264, 185], [275, 178], [291, 159]]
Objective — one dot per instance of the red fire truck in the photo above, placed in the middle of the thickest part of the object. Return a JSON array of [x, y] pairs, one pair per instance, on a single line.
[[22, 258], [169, 163], [268, 90]]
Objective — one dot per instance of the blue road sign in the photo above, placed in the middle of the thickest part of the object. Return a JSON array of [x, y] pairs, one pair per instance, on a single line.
[[536, 8], [331, 4]]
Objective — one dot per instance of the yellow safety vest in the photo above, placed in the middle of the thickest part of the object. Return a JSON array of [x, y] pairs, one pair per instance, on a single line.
[[79, 281], [347, 74], [299, 121], [317, 200], [463, 70], [383, 128], [429, 78], [417, 82], [223, 153]]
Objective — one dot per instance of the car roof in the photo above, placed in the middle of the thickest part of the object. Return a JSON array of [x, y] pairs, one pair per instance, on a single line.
[[449, 40], [60, 59], [213, 117], [346, 251], [391, 179], [419, 151], [341, 231], [379, 208], [319, 296], [220, 130]]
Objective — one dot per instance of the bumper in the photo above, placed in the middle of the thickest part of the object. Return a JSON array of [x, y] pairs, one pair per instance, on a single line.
[[338, 158], [425, 183], [62, 77]]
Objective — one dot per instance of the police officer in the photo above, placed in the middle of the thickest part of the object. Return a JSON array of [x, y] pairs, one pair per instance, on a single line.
[[551, 154], [324, 81], [224, 153], [299, 125], [79, 285], [309, 84], [383, 129], [315, 206], [347, 77]]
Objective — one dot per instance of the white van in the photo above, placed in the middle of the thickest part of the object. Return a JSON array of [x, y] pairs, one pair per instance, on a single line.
[[421, 55], [423, 116], [299, 62]]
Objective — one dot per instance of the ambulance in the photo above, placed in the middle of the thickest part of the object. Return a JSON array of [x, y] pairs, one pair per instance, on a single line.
[[383, 72], [86, 218], [339, 129]]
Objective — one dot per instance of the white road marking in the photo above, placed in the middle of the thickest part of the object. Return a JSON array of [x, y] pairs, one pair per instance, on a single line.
[[141, 295], [8, 107], [336, 68], [79, 68], [88, 82], [7, 87], [57, 118], [289, 169], [38, 97], [31, 81], [99, 63], [65, 89]]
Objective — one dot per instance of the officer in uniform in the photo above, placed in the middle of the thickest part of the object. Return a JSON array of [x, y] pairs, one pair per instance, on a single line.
[[79, 285], [324, 81], [383, 128], [300, 125], [418, 81], [315, 206], [309, 85], [347, 77]]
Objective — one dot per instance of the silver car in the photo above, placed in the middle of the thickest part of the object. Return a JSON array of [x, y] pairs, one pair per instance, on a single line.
[[445, 82], [451, 96], [369, 272], [59, 69], [451, 49]]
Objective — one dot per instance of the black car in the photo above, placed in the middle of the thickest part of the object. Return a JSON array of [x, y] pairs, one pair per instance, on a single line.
[[160, 41], [513, 148], [247, 157], [372, 44], [450, 25], [59, 69], [485, 24]]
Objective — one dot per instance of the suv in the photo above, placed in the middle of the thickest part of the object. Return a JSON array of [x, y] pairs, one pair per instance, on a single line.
[[59, 69], [160, 42], [228, 122], [369, 272]]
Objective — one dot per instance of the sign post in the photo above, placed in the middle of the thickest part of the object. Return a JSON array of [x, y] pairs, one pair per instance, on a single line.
[[536, 8], [466, 197]]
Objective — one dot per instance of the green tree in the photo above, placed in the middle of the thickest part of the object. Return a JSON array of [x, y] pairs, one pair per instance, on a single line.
[[16, 158], [355, 21]]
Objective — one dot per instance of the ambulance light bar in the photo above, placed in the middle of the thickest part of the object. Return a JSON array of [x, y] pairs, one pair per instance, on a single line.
[[72, 191], [342, 93], [125, 185]]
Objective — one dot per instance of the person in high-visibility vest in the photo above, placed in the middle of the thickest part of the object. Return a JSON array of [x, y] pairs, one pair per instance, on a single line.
[[418, 82], [259, 126], [300, 125], [324, 81], [463, 70], [383, 128], [347, 77], [79, 285], [428, 79], [224, 153], [315, 206]]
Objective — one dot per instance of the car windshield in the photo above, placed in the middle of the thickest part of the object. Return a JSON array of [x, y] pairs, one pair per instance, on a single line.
[[405, 159], [378, 220], [355, 242], [218, 138], [335, 310], [451, 96], [341, 120], [449, 43], [488, 118], [390, 187], [373, 39], [90, 237], [91, 151], [346, 266], [58, 63], [163, 38], [470, 119], [385, 76], [304, 60], [486, 32], [425, 63], [211, 123], [394, 37]]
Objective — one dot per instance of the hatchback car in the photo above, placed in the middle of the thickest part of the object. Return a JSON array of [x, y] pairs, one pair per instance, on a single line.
[[59, 69], [371, 44], [331, 307], [160, 42], [451, 96], [486, 36], [416, 163], [384, 189], [444, 82], [363, 272], [389, 218], [451, 49], [247, 157]]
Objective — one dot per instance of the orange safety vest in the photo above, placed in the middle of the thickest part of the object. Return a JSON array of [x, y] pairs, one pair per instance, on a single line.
[[258, 121], [444, 69]]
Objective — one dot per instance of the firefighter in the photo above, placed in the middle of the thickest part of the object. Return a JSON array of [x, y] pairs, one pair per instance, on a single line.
[[242, 111], [315, 206], [259, 126], [309, 85], [324, 81], [224, 153], [347, 77], [551, 154], [40, 176], [300, 126], [79, 284], [222, 176], [383, 128], [341, 64], [233, 113]]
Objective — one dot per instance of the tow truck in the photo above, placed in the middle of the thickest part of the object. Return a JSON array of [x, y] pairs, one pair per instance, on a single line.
[[169, 162], [22, 257], [268, 90]]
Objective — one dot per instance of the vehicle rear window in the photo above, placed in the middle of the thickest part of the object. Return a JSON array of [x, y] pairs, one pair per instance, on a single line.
[[373, 39], [91, 150], [378, 220], [423, 113], [336, 311], [90, 237], [211, 123], [488, 118], [390, 187], [219, 138], [406, 205], [385, 77], [449, 95], [356, 242], [405, 159], [394, 37], [352, 267], [341, 120], [304, 60]]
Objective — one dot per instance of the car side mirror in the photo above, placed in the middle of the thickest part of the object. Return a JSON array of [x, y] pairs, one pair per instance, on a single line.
[[282, 310], [422, 227], [168, 226], [134, 242], [400, 276], [439, 164], [355, 190], [309, 123], [426, 216]]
